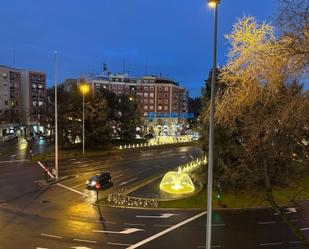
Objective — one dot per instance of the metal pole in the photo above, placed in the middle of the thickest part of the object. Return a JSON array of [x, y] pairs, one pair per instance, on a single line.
[[56, 118], [83, 123], [211, 135]]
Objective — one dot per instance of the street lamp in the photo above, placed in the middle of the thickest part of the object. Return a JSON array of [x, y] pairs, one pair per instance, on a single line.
[[214, 5], [84, 88], [56, 116]]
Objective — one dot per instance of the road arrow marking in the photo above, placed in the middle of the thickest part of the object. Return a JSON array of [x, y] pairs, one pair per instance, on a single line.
[[126, 231], [161, 216]]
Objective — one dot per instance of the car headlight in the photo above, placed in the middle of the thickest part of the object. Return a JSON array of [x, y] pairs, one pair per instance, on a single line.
[[93, 183]]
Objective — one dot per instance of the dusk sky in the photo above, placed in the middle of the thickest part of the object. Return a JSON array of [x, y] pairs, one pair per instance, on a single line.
[[171, 37]]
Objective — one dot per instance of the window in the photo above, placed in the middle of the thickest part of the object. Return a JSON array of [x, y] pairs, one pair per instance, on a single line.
[[151, 95], [166, 108], [166, 89], [160, 107], [160, 95], [165, 101], [160, 101], [165, 95], [160, 89], [146, 107], [151, 107], [6, 102], [151, 101], [151, 88], [146, 101], [145, 88], [145, 114], [146, 95]]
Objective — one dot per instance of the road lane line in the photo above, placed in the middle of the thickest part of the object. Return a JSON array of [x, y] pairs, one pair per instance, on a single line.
[[217, 246], [304, 229], [51, 236], [267, 222], [15, 161], [155, 236], [123, 183], [132, 224], [86, 241], [117, 176], [118, 244], [73, 190], [271, 244]]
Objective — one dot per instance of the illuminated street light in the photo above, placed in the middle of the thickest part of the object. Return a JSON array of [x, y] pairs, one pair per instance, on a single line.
[[212, 4], [84, 88]]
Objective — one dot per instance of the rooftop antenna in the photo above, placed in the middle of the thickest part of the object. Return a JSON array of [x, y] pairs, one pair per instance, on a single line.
[[14, 57], [124, 66]]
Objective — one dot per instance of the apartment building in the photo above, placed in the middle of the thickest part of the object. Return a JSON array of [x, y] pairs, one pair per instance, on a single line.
[[22, 94], [163, 103]]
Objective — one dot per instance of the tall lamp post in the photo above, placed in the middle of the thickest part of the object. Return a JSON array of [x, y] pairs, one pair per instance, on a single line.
[[214, 5], [84, 88], [56, 116]]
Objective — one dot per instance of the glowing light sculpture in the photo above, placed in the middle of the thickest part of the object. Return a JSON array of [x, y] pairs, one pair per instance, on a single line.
[[177, 183]]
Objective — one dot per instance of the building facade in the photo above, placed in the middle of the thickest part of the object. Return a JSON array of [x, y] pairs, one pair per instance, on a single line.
[[163, 103], [22, 94]]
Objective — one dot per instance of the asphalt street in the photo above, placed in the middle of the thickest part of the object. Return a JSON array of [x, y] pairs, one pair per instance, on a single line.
[[62, 215]]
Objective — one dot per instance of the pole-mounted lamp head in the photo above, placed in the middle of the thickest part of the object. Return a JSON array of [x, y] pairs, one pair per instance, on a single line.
[[213, 3]]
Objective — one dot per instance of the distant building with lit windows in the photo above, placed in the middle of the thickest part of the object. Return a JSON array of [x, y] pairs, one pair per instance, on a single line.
[[162, 101]]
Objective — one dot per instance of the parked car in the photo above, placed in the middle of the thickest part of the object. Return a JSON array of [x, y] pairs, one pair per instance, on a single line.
[[9, 137], [99, 180]]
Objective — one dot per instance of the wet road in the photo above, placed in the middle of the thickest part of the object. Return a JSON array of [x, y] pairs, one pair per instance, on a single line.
[[62, 216]]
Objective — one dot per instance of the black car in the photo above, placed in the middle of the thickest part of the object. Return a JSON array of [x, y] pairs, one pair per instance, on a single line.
[[99, 180]]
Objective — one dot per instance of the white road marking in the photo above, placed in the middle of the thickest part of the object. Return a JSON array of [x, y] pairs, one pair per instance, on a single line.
[[114, 177], [41, 248], [218, 225], [267, 222], [291, 210], [123, 183], [304, 229], [271, 244], [118, 244], [87, 241], [126, 231], [73, 190], [51, 236], [14, 161], [217, 246], [132, 224], [13, 155], [166, 231], [161, 216], [84, 165], [162, 225], [80, 247]]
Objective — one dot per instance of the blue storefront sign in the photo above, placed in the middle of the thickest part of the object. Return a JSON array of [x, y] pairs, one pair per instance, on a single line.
[[182, 115]]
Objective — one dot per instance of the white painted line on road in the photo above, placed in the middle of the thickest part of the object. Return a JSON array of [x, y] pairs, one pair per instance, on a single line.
[[73, 190], [51, 236], [117, 176], [123, 183], [86, 241], [162, 225], [267, 222], [84, 165], [118, 244], [126, 231], [14, 161], [304, 229], [132, 224], [271, 244], [145, 241], [218, 225], [217, 246], [41, 248], [13, 155], [161, 216]]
